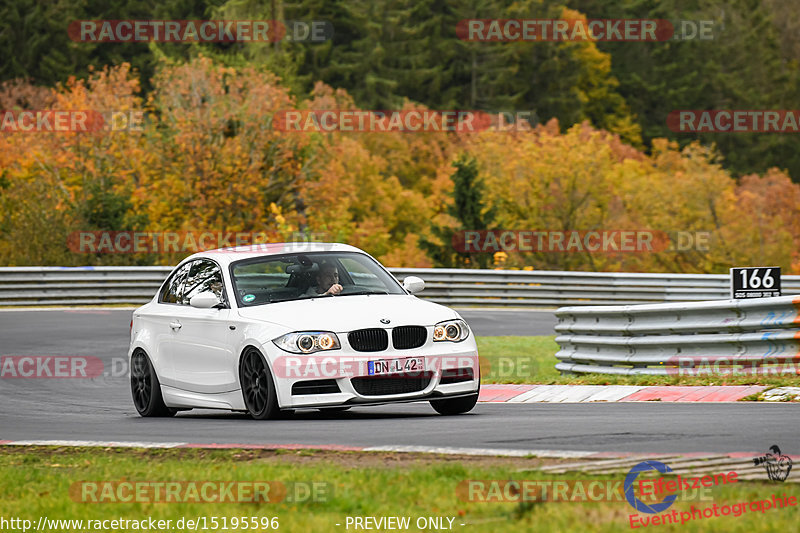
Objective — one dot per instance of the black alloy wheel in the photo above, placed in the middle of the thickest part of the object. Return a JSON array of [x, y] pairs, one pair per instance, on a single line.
[[145, 388], [258, 388]]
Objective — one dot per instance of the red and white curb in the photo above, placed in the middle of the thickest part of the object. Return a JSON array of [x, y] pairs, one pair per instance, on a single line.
[[614, 393]]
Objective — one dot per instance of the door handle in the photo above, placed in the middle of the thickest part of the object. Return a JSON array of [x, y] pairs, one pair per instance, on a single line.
[[175, 325]]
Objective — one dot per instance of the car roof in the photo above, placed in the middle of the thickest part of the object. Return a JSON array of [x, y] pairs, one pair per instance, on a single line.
[[226, 256]]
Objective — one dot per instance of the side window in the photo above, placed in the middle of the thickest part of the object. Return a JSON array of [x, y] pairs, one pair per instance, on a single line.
[[204, 276], [171, 294]]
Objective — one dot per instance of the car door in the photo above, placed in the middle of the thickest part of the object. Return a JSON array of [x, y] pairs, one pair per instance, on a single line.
[[157, 319], [202, 354]]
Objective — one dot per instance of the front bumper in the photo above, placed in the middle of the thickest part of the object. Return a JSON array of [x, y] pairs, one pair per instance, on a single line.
[[354, 386]]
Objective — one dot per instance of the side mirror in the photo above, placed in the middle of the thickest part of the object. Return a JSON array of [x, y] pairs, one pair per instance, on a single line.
[[205, 300], [413, 284]]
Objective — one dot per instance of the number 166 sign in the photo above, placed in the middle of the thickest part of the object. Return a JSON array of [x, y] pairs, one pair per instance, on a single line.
[[758, 282]]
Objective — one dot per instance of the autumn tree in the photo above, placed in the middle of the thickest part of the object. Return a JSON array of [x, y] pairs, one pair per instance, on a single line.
[[467, 212]]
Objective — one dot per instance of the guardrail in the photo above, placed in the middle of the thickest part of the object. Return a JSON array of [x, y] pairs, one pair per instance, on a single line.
[[25, 286], [21, 286], [727, 336], [554, 288]]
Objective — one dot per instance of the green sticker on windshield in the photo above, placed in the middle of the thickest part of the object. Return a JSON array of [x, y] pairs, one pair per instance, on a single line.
[[247, 298]]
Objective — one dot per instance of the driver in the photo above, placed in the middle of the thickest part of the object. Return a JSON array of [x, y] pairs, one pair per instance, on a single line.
[[327, 280]]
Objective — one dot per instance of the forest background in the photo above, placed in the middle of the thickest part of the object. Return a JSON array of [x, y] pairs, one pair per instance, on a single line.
[[597, 156]]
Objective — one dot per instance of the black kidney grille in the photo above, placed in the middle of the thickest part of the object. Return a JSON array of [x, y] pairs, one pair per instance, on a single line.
[[407, 337], [387, 385], [368, 340]]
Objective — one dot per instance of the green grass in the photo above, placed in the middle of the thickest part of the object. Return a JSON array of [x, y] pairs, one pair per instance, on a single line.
[[37, 481], [518, 359], [532, 360]]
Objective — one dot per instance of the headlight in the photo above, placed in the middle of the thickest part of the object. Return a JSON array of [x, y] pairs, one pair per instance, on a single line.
[[308, 341], [452, 330]]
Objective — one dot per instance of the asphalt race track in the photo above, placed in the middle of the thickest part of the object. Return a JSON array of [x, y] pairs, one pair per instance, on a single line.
[[101, 408], [492, 322]]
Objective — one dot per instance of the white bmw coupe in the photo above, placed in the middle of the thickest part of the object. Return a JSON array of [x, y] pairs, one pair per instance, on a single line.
[[274, 328]]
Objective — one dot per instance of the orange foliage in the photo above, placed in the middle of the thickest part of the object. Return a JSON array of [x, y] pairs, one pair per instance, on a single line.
[[208, 158]]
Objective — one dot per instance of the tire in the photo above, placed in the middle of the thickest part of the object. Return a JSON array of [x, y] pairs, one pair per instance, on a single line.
[[145, 388], [258, 388], [455, 406]]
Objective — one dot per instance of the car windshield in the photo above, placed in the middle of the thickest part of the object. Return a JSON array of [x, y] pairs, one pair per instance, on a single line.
[[284, 278]]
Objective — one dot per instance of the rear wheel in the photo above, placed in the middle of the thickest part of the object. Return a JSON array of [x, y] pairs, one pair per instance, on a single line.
[[258, 388], [145, 389], [455, 406]]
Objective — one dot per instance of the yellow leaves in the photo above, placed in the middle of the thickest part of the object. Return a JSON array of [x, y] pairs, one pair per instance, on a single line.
[[586, 179], [276, 212], [406, 253], [209, 160]]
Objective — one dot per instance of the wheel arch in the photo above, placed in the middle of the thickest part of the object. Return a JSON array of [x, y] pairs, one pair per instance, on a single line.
[[254, 346], [259, 348]]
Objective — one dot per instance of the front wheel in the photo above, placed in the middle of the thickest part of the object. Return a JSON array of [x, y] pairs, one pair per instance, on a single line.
[[455, 406], [258, 388], [145, 388]]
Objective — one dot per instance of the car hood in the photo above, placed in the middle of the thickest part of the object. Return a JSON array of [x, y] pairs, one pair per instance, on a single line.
[[346, 313]]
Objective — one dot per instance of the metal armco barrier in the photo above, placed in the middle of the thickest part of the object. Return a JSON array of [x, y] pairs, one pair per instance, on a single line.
[[664, 339], [21, 286], [555, 288]]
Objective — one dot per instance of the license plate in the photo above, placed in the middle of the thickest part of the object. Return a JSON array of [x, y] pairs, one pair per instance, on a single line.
[[395, 366]]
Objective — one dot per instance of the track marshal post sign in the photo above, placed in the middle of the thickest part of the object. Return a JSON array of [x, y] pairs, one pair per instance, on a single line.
[[755, 282]]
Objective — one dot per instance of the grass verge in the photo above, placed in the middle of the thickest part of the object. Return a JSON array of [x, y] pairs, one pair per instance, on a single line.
[[532, 360], [37, 482]]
